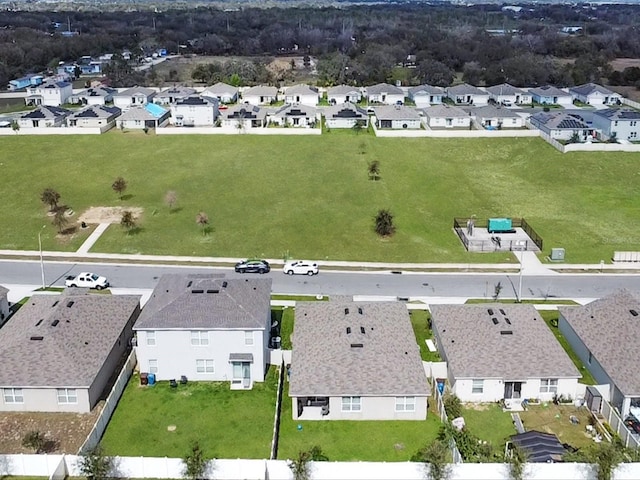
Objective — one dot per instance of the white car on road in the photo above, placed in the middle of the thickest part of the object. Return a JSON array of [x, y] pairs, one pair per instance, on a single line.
[[87, 280], [300, 267]]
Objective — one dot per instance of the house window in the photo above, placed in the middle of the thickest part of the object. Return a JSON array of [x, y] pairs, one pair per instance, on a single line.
[[351, 404], [549, 385], [200, 338], [13, 395], [477, 386], [151, 339], [633, 134], [67, 396], [204, 366], [615, 123], [153, 366], [405, 404], [633, 123], [248, 337]]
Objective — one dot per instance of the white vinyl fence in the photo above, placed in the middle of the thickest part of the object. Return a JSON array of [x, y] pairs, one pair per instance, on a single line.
[[618, 426]]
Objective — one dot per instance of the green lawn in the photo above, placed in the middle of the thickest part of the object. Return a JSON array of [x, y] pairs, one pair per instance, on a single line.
[[489, 423], [550, 418], [420, 324], [343, 440], [227, 423], [285, 316], [311, 196]]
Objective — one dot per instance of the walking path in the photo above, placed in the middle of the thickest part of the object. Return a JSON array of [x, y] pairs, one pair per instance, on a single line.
[[93, 238]]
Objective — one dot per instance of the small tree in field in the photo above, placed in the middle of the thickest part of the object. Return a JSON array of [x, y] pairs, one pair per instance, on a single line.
[[300, 466], [195, 463], [95, 465], [171, 199], [202, 219], [128, 221], [384, 223], [60, 219], [374, 170], [51, 198], [119, 186], [15, 126], [34, 440]]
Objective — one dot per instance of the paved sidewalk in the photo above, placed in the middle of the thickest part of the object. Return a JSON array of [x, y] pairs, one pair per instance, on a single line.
[[93, 238]]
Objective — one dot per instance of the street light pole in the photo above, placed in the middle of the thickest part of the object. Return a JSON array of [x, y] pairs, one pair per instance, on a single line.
[[41, 260], [520, 276]]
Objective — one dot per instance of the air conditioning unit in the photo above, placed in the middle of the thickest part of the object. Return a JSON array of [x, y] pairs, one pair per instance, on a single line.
[[557, 254]]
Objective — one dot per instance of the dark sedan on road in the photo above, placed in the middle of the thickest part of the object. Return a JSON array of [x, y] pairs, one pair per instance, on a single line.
[[253, 266]]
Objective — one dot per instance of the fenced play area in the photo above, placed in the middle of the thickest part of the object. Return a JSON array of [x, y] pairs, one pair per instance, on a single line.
[[497, 235]]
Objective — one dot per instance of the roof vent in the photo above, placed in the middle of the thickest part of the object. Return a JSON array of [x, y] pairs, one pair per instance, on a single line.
[[360, 310], [189, 284], [55, 303], [502, 311], [37, 338], [362, 330], [633, 312], [224, 284], [357, 345], [490, 311], [70, 304], [197, 291], [346, 311], [494, 320], [507, 320], [506, 332], [213, 291], [55, 323], [348, 330], [39, 322]]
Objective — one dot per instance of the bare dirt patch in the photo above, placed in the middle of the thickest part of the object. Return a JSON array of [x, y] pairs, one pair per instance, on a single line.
[[66, 431], [108, 214], [622, 63]]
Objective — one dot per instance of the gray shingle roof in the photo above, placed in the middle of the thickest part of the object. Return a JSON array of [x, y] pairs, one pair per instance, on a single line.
[[475, 347], [558, 121], [35, 353], [589, 88], [47, 111], [618, 114], [96, 111], [207, 302], [301, 89], [221, 89], [504, 89], [612, 333], [130, 92], [296, 111], [342, 90], [138, 113], [325, 363], [444, 111], [246, 111], [3, 291], [176, 92], [548, 91], [465, 89], [396, 112], [261, 91], [491, 111], [384, 88], [426, 90]]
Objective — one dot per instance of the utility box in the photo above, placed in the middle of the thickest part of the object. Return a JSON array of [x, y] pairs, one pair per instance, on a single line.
[[499, 225], [557, 254]]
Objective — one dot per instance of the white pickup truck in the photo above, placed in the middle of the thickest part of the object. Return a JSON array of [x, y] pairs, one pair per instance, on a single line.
[[87, 280]]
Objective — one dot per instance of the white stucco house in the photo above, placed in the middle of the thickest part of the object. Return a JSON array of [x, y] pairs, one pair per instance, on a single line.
[[206, 327], [296, 116], [562, 126], [397, 117], [49, 93], [44, 117], [98, 95], [301, 94], [345, 115], [223, 92], [4, 304], [195, 111], [501, 352], [426, 95], [385, 93], [133, 97], [605, 335], [343, 94], [149, 115], [618, 123], [94, 116], [508, 93], [172, 94], [491, 117], [244, 117], [466, 94], [356, 361], [446, 116], [594, 94], [550, 95], [260, 95], [60, 351]]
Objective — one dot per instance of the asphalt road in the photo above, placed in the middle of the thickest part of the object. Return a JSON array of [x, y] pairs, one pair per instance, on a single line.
[[345, 283]]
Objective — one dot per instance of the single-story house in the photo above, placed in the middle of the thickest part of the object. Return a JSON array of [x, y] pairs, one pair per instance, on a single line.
[[562, 126], [99, 95], [296, 116], [60, 351], [24, 82], [133, 97], [343, 94], [501, 352], [94, 116], [397, 117], [260, 95], [426, 95], [195, 111], [508, 93], [466, 94], [618, 123], [50, 93], [594, 94], [446, 116], [4, 304], [301, 94], [223, 92], [385, 93], [172, 95], [550, 95], [605, 335], [206, 327], [244, 116], [345, 115], [356, 361], [149, 115], [492, 117], [44, 116]]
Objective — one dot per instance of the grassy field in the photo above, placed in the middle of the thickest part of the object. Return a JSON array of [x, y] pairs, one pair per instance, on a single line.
[[550, 418], [227, 423], [311, 196], [489, 423]]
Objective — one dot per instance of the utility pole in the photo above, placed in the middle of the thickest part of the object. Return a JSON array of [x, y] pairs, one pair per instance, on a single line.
[[41, 260]]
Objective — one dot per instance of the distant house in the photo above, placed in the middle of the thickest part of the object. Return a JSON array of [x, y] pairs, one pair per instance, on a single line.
[[133, 97], [195, 111], [4, 304], [44, 117], [466, 94], [562, 126], [594, 94], [296, 116], [446, 116], [223, 92], [384, 93], [605, 335], [172, 95], [508, 93], [260, 95], [146, 116], [49, 93], [397, 117], [94, 116], [356, 361], [511, 355], [206, 327], [244, 117], [550, 95], [618, 123], [426, 95], [343, 94], [301, 94], [24, 82], [60, 351], [492, 117], [345, 115], [99, 95]]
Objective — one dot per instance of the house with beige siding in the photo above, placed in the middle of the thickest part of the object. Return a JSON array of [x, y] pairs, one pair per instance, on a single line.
[[446, 116]]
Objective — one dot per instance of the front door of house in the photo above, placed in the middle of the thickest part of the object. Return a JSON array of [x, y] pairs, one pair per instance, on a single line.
[[242, 373], [512, 390]]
